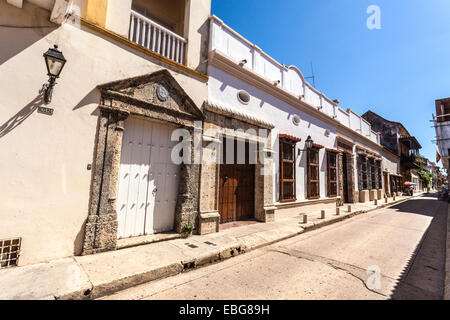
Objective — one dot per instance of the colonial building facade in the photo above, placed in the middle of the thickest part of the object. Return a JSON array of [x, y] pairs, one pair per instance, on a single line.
[[398, 140], [322, 155], [92, 168]]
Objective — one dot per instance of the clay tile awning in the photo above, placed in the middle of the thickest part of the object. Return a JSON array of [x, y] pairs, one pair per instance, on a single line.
[[289, 138], [317, 146], [332, 150], [346, 151]]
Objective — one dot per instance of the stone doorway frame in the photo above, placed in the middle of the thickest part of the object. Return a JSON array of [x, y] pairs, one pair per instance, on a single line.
[[139, 97], [222, 119], [343, 148]]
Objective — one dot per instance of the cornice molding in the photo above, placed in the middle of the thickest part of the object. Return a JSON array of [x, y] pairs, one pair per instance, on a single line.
[[220, 61], [215, 107]]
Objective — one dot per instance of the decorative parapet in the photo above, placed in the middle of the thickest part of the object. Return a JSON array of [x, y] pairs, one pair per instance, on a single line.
[[289, 79]]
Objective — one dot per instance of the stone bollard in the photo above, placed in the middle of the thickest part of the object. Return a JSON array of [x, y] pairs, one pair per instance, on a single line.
[[338, 211], [322, 214], [386, 199], [393, 197], [349, 208], [376, 202], [305, 218]]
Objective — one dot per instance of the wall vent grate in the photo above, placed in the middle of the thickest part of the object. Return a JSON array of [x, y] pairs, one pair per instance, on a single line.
[[10, 252]]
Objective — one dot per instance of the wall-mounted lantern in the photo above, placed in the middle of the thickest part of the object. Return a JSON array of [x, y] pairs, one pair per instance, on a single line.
[[308, 145], [55, 61]]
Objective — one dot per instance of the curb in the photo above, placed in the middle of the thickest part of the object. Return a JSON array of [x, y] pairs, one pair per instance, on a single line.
[[216, 257], [56, 281]]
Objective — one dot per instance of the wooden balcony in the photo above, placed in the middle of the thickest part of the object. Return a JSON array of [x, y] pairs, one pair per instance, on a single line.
[[410, 161]]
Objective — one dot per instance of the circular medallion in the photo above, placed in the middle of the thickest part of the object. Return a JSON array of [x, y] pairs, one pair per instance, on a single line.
[[162, 93]]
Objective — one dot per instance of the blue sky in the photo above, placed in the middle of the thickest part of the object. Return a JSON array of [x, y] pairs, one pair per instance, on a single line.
[[397, 71]]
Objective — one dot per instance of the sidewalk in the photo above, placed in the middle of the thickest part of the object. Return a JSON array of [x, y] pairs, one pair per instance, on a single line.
[[94, 276]]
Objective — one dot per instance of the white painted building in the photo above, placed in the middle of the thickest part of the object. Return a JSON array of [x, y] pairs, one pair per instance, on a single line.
[[280, 95], [67, 186]]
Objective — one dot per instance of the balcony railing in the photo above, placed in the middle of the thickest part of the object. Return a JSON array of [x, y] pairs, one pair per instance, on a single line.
[[410, 160], [155, 37]]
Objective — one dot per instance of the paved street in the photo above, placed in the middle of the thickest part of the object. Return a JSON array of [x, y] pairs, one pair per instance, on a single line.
[[405, 243]]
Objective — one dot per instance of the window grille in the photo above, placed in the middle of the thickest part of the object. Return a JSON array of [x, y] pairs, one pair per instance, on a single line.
[[9, 252]]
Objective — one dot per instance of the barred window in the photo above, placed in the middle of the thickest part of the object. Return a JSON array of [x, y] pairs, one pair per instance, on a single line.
[[331, 174], [287, 170], [380, 175], [362, 173], [313, 174], [373, 173]]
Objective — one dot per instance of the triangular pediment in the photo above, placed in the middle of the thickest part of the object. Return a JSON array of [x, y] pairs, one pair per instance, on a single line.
[[159, 89]]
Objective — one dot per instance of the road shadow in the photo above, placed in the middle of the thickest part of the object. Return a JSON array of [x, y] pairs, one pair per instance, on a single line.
[[421, 205], [424, 276]]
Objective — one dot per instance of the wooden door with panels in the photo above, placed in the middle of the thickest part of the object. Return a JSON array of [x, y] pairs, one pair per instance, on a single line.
[[237, 184], [148, 179], [313, 173]]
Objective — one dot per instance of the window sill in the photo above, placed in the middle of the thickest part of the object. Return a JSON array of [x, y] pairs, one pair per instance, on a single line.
[[305, 202], [288, 201]]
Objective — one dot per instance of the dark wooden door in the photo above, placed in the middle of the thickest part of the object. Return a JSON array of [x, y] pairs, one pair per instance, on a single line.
[[236, 189], [386, 185]]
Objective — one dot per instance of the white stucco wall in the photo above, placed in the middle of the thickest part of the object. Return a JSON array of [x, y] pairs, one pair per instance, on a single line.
[[230, 43], [390, 163], [223, 88], [44, 181]]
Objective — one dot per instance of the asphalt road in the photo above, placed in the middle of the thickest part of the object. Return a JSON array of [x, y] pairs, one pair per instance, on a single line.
[[392, 253]]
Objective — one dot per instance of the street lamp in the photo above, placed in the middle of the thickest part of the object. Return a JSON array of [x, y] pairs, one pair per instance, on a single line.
[[55, 61], [308, 144]]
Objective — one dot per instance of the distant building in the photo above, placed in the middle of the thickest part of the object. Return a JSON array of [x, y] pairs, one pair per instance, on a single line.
[[397, 139]]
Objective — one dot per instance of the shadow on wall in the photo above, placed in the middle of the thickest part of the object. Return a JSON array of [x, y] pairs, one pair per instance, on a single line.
[[79, 241], [93, 97], [204, 32], [21, 39], [21, 116], [21, 28]]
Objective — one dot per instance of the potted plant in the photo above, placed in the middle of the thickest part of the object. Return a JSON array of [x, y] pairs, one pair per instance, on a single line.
[[188, 229]]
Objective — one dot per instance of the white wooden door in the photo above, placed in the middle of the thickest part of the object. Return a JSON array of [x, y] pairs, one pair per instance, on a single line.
[[148, 180]]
